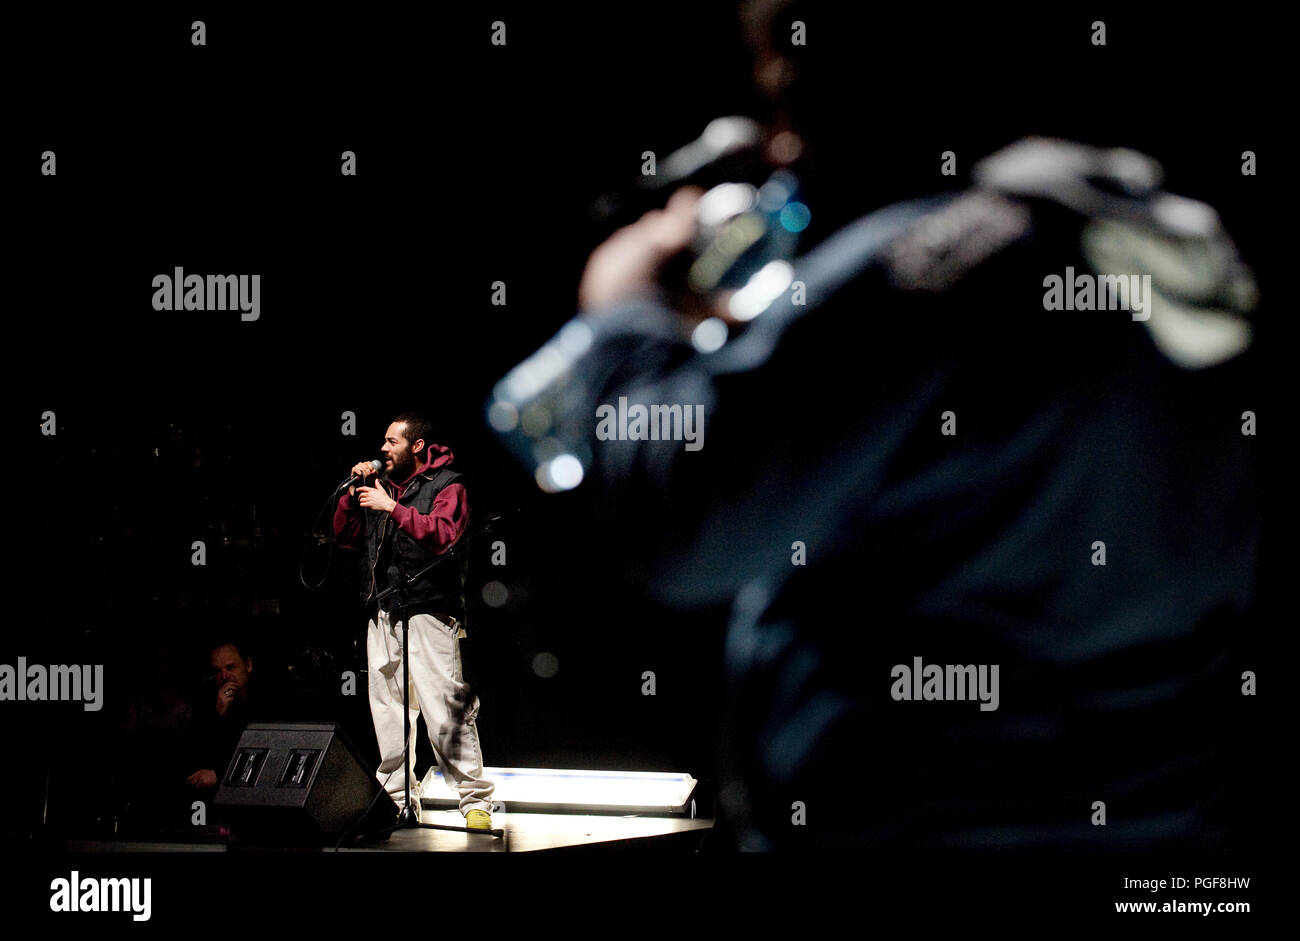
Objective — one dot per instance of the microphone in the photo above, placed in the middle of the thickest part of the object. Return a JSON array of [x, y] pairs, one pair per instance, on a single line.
[[724, 138], [730, 148], [357, 479]]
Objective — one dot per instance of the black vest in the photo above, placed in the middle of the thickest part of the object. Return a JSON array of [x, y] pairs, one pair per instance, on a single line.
[[392, 554]]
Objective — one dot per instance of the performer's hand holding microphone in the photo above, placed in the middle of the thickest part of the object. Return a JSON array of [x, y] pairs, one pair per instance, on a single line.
[[360, 471], [372, 496]]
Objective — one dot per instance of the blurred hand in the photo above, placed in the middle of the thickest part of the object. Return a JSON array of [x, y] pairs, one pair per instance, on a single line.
[[629, 262]]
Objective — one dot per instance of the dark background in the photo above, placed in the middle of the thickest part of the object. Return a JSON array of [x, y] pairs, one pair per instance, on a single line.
[[475, 164]]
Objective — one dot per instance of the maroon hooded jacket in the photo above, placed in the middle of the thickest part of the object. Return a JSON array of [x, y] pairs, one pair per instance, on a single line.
[[435, 531]]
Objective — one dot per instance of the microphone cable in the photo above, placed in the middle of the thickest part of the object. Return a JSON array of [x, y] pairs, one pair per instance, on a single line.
[[318, 535]]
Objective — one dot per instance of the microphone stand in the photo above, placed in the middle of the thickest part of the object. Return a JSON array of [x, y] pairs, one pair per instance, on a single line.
[[407, 819]]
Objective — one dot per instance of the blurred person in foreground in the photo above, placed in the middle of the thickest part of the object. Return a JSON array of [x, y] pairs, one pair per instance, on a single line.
[[987, 538]]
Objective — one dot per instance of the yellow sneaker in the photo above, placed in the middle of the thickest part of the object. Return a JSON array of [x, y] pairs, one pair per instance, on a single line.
[[478, 820]]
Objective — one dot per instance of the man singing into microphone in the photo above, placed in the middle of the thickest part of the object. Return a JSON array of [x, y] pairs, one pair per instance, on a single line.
[[416, 511]]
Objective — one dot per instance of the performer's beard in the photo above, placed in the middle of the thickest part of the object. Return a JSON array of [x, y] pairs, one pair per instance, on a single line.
[[403, 467]]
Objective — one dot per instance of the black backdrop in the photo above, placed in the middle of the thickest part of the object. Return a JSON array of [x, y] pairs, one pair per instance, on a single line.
[[475, 164]]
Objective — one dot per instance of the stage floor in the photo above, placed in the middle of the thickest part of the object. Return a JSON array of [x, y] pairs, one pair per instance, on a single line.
[[523, 833]]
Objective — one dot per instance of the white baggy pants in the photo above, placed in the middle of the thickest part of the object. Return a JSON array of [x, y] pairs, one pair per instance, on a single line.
[[449, 705]]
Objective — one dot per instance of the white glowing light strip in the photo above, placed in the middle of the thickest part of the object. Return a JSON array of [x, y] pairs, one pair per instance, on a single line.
[[647, 791]]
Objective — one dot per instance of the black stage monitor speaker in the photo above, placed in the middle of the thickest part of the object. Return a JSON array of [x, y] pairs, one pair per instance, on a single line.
[[299, 782]]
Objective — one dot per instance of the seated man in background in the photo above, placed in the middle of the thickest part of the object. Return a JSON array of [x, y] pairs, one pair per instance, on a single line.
[[218, 721]]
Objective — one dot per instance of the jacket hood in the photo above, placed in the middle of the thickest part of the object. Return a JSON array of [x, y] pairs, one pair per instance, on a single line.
[[436, 455]]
